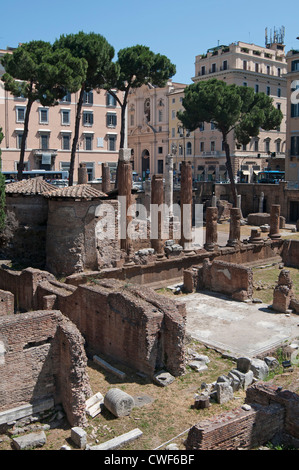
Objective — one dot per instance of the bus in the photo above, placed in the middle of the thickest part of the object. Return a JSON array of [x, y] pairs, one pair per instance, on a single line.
[[270, 177], [48, 175]]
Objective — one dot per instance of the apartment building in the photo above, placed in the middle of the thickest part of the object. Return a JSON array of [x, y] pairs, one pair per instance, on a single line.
[[262, 68], [148, 128], [51, 130], [181, 142], [292, 132]]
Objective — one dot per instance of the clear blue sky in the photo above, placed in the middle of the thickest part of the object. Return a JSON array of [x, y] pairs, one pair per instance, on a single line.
[[179, 29]]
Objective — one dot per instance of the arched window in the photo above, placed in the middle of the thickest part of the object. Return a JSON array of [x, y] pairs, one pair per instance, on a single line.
[[189, 148]]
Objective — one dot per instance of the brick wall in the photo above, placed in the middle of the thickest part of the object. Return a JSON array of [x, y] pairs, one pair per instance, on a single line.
[[273, 413], [43, 358], [7, 303], [129, 323]]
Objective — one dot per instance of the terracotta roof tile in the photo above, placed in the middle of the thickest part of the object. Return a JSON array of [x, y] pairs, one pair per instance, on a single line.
[[79, 191], [30, 187]]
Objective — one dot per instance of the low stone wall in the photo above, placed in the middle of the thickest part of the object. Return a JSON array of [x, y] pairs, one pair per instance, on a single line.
[[43, 357], [173, 268], [131, 324], [290, 253], [272, 413], [219, 276]]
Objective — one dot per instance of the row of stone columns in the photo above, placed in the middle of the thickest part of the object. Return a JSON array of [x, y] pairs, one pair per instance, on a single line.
[[235, 227]]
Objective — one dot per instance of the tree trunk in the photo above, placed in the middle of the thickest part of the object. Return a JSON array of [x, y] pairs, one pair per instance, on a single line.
[[230, 171], [23, 141], [76, 136]]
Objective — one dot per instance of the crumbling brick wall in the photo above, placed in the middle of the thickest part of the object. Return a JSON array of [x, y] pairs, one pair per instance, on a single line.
[[220, 276], [43, 357], [7, 303], [273, 413], [129, 323]]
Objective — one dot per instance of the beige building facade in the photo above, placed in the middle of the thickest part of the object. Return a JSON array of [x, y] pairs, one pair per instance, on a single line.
[[51, 130], [148, 128], [263, 69], [292, 135], [181, 141]]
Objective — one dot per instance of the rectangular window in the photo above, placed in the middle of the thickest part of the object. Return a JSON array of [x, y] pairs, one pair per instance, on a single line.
[[111, 120], [112, 142], [224, 65], [257, 68], [87, 118], [66, 98], [256, 145], [268, 69], [213, 68], [160, 167], [19, 140], [88, 142], [244, 64], [268, 92], [88, 97], [295, 145], [212, 146], [160, 150], [66, 142], [202, 146], [65, 117], [203, 70], [279, 92], [111, 100], [256, 88], [44, 140], [21, 111], [295, 65], [43, 116]]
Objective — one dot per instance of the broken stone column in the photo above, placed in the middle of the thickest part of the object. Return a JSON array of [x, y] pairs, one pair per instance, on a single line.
[[157, 215], [186, 205], [235, 227], [274, 232], [255, 237], [283, 292], [82, 174], [119, 403], [125, 197], [211, 228], [106, 182], [169, 183]]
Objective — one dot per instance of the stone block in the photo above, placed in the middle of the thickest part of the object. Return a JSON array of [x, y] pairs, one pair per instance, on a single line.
[[29, 441], [119, 441], [259, 368], [79, 437], [243, 364], [93, 405], [224, 392], [163, 378]]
